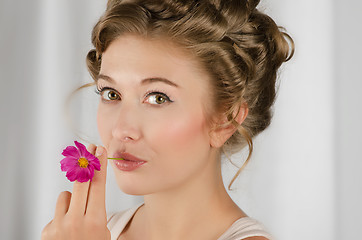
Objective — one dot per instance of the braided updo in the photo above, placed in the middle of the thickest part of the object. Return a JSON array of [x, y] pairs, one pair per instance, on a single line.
[[239, 46]]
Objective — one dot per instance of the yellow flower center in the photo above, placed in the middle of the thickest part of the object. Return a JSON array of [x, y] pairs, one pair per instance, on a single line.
[[82, 162]]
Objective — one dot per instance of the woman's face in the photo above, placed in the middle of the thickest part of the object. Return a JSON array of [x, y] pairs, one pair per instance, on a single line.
[[153, 108]]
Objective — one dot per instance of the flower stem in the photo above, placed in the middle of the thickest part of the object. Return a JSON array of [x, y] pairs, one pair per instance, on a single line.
[[117, 158]]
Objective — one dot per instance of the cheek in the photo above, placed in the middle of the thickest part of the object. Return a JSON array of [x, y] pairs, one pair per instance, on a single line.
[[181, 147], [181, 132], [103, 124]]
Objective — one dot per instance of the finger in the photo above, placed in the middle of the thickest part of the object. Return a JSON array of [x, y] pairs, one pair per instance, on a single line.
[[78, 201], [46, 232], [62, 204], [79, 198], [97, 189]]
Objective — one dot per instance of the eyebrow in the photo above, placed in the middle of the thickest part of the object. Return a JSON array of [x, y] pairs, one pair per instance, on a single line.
[[143, 82]]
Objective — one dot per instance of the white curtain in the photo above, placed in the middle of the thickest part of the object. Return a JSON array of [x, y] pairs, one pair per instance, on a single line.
[[304, 179]]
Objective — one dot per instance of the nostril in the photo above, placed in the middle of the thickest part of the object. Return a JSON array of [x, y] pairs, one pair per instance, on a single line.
[[125, 135], [127, 139]]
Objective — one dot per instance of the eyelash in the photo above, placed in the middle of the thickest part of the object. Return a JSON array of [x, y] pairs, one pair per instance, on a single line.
[[99, 90]]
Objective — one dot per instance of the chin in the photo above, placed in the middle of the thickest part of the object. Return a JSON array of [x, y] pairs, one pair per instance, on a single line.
[[141, 188], [132, 186], [131, 190]]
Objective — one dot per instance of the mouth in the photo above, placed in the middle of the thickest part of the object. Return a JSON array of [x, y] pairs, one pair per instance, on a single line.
[[126, 161], [126, 156]]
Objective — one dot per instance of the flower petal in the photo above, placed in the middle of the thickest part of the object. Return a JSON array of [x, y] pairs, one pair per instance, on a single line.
[[89, 156], [93, 160], [83, 175], [68, 163], [79, 174], [91, 172], [82, 149], [71, 151], [71, 166], [95, 163], [72, 174], [91, 168], [91, 175]]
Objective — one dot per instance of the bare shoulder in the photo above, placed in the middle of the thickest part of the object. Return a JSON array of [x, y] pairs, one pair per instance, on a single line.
[[256, 238]]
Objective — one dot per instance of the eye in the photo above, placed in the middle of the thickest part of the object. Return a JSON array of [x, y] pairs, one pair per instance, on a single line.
[[157, 98], [108, 92]]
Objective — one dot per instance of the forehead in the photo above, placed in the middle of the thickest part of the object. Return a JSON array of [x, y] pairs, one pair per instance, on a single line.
[[133, 56]]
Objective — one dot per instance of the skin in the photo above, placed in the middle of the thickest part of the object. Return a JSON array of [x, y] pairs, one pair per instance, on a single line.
[[181, 181]]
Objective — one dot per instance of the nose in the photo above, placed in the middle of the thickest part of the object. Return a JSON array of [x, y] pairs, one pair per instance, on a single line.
[[126, 128]]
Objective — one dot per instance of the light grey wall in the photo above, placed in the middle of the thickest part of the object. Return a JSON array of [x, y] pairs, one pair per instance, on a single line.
[[348, 115], [18, 37]]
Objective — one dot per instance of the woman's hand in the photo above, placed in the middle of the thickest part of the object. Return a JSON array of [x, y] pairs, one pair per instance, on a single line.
[[82, 214]]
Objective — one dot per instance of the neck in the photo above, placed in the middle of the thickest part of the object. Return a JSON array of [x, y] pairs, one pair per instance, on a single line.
[[200, 201]]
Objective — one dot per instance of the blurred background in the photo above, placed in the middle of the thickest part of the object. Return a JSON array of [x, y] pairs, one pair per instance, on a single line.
[[304, 178]]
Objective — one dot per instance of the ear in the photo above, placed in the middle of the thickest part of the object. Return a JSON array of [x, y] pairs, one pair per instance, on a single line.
[[222, 132]]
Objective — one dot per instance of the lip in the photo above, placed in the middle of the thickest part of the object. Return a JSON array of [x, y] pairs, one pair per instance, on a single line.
[[128, 161], [127, 156]]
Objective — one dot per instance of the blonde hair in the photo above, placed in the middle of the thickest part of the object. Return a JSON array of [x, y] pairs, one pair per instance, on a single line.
[[239, 46]]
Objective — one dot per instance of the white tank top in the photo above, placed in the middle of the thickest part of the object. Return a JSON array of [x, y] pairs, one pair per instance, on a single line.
[[242, 228]]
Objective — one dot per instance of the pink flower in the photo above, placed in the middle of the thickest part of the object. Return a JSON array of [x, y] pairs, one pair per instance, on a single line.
[[79, 163]]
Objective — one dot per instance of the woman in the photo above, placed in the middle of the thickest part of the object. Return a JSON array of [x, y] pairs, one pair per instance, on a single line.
[[180, 82]]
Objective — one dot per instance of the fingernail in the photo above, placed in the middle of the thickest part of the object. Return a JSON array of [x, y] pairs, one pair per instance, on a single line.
[[99, 151]]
